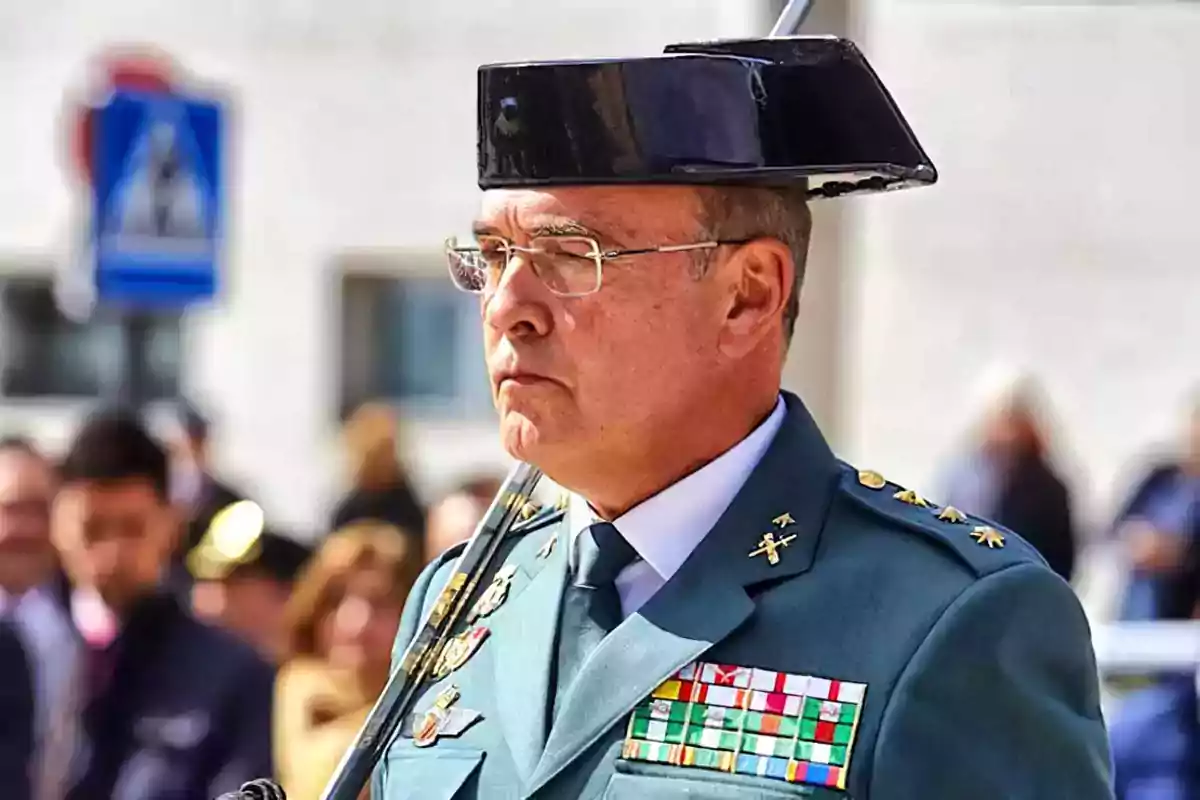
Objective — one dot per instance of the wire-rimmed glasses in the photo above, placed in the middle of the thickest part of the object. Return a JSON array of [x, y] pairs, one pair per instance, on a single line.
[[570, 266]]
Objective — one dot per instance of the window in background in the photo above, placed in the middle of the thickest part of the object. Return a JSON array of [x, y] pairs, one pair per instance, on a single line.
[[43, 355], [415, 340]]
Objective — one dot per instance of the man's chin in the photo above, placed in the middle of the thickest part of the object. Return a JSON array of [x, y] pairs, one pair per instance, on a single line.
[[527, 436]]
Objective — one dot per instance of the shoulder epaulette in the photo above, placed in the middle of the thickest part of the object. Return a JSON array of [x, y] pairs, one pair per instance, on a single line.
[[984, 546]]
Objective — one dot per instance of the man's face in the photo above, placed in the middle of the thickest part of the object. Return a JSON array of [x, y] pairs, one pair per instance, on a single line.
[[577, 377], [26, 490], [114, 537]]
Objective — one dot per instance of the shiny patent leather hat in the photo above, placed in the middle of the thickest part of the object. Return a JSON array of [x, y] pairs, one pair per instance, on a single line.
[[802, 110]]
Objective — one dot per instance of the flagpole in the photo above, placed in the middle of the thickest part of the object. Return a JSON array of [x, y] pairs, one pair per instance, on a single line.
[[791, 18]]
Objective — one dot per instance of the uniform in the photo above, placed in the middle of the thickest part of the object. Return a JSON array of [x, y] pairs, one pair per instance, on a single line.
[[890, 648]]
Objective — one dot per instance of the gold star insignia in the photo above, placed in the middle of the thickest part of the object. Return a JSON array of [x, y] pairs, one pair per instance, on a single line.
[[783, 520], [912, 498], [951, 514], [871, 480], [985, 534]]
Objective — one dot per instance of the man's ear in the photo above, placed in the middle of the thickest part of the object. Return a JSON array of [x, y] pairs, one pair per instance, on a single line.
[[759, 276]]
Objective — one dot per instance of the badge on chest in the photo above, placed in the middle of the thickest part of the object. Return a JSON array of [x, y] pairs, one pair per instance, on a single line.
[[794, 728]]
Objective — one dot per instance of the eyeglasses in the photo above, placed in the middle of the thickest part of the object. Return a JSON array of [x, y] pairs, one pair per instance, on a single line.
[[570, 266]]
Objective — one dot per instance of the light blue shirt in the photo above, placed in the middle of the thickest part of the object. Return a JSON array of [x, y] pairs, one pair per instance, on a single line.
[[666, 528]]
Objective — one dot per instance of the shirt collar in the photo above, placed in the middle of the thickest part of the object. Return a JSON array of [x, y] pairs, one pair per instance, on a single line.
[[666, 528]]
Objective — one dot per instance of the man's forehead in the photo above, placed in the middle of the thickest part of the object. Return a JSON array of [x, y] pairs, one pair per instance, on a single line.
[[116, 494], [614, 210]]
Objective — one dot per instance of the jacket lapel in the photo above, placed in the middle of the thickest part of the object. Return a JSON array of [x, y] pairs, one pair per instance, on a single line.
[[524, 654], [788, 496]]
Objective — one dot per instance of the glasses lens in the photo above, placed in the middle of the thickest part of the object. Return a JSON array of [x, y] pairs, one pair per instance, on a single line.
[[473, 269], [568, 265]]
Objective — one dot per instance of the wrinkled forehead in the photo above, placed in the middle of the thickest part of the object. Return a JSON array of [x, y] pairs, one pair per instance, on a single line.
[[622, 213]]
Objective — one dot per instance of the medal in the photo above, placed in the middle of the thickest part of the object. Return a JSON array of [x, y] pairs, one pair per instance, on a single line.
[[441, 720], [458, 650], [494, 595]]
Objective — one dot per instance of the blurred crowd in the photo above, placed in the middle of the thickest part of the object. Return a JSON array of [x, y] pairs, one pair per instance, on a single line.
[[161, 637]]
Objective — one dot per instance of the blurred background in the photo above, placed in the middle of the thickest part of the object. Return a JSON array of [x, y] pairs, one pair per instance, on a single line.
[[1022, 340]]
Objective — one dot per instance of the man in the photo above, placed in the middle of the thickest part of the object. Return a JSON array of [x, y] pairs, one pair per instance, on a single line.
[[244, 576], [38, 649], [175, 709], [723, 609], [1156, 729], [1159, 523]]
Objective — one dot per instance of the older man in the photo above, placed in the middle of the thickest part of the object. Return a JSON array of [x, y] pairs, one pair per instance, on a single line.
[[39, 655], [723, 609]]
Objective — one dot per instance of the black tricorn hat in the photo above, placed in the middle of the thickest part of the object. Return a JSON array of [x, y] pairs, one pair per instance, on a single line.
[[791, 111]]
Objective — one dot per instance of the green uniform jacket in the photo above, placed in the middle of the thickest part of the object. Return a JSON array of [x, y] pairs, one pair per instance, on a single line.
[[894, 650]]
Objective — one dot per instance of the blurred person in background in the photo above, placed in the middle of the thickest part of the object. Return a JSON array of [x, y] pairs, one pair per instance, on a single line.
[[194, 489], [244, 573], [380, 488], [1006, 475], [173, 708], [343, 618], [453, 518], [1159, 522], [1155, 732], [38, 648]]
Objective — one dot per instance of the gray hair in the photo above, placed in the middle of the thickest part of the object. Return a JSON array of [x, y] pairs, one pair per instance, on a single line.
[[747, 212]]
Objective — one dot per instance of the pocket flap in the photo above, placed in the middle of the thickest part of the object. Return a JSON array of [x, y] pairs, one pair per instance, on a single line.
[[436, 775]]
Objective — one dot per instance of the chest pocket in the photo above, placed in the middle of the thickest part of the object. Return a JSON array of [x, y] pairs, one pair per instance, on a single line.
[[674, 783], [435, 775]]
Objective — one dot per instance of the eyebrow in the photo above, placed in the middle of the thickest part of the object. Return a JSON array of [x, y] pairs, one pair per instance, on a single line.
[[560, 227]]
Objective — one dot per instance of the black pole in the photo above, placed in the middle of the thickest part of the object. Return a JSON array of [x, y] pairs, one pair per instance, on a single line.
[[133, 390]]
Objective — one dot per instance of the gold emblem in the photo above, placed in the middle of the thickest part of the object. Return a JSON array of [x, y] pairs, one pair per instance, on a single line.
[[430, 726], [494, 595], [547, 546], [985, 534], [951, 514], [564, 500], [456, 651], [871, 480], [783, 520], [529, 509], [770, 546], [912, 498], [447, 597]]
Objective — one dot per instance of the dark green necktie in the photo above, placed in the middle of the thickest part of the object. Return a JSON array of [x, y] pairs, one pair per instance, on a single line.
[[591, 603]]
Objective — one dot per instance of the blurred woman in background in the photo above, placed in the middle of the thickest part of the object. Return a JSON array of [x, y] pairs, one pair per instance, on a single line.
[[342, 618], [380, 488], [1007, 475]]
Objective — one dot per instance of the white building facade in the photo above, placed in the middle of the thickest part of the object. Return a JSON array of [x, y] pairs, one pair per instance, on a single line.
[[1059, 237]]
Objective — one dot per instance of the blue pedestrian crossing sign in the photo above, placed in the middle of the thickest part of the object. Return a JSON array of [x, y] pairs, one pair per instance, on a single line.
[[158, 199]]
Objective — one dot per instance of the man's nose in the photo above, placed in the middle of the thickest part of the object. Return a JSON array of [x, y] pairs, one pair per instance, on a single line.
[[517, 306]]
